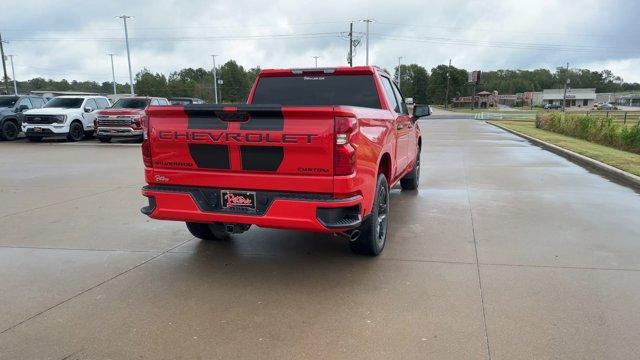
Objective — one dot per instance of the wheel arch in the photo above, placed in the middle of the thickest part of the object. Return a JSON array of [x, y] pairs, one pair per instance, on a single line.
[[384, 166], [10, 118]]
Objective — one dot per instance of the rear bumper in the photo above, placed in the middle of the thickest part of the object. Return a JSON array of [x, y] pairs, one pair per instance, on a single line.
[[308, 212], [119, 132]]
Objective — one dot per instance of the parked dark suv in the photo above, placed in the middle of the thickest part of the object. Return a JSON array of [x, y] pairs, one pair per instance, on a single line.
[[11, 109]]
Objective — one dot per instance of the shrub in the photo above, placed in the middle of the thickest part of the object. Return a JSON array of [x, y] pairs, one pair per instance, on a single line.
[[600, 130]]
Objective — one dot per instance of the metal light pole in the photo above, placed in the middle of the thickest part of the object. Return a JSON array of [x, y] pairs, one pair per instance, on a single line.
[[13, 75], [400, 72], [368, 21], [4, 66], [113, 75], [215, 79], [316, 58], [126, 38], [566, 83], [351, 43]]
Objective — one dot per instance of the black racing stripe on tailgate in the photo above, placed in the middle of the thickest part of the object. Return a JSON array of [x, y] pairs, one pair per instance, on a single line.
[[199, 118], [264, 119], [261, 158], [210, 156]]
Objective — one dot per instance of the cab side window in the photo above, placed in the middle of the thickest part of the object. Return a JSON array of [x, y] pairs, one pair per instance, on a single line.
[[388, 91], [24, 101], [154, 102], [400, 99], [37, 102], [102, 103], [163, 102], [90, 103]]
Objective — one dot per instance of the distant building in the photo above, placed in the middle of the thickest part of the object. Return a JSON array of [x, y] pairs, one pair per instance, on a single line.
[[575, 97], [629, 100], [482, 100], [509, 100], [532, 98]]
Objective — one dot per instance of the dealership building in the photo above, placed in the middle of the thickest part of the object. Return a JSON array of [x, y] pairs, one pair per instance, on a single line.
[[575, 97]]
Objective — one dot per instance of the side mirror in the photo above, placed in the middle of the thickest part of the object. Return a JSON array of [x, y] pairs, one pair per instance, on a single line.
[[88, 109], [22, 108], [420, 111], [408, 101]]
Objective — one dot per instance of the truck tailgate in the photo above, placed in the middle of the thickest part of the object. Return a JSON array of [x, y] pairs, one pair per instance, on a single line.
[[243, 147]]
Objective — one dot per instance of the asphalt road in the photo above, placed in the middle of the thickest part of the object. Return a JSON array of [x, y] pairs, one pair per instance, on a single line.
[[506, 252]]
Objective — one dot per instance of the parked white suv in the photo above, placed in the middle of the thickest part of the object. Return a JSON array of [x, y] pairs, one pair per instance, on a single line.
[[70, 116]]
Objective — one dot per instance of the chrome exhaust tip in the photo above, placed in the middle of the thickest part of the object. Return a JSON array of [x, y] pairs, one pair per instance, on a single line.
[[351, 235]]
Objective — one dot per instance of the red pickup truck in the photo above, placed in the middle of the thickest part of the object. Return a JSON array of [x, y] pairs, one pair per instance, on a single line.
[[313, 149], [124, 118]]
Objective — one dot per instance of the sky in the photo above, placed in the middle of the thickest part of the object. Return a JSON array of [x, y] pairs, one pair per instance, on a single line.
[[71, 38]]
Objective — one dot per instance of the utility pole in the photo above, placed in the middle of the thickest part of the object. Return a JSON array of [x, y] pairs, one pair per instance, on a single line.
[[4, 65], [564, 97], [351, 43], [446, 93], [215, 79], [113, 75], [126, 38], [368, 21], [316, 58], [13, 75], [400, 72]]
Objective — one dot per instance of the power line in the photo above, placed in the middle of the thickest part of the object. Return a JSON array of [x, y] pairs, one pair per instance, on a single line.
[[458, 28], [186, 38], [502, 44]]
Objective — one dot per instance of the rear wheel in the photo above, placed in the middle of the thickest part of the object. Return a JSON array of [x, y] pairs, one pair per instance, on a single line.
[[34, 138], [76, 131], [412, 179], [104, 139], [202, 231], [373, 231], [9, 131]]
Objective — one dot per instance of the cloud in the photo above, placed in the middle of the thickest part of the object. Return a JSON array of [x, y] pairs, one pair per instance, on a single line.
[[70, 38]]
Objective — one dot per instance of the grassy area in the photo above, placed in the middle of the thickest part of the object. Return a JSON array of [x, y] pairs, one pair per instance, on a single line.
[[623, 160]]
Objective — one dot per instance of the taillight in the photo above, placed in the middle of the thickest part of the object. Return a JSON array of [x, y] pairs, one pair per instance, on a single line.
[[344, 155], [146, 144], [146, 153]]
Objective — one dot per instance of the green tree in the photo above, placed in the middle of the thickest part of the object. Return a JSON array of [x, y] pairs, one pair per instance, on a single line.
[[437, 89], [235, 88], [413, 82], [149, 84]]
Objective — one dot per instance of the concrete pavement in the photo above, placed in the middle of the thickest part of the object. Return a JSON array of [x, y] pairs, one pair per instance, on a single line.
[[506, 252]]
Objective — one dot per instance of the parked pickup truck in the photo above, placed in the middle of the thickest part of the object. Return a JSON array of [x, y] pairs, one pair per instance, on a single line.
[[322, 159], [124, 119], [11, 113], [64, 116]]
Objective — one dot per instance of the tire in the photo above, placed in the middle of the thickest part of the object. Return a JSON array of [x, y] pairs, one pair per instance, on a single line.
[[9, 131], [104, 139], [202, 231], [411, 181], [76, 131], [373, 231], [34, 138]]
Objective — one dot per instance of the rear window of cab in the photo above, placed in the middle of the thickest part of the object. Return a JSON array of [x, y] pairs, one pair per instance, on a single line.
[[318, 90]]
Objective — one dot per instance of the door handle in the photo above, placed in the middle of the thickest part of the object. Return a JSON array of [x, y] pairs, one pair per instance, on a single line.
[[399, 127]]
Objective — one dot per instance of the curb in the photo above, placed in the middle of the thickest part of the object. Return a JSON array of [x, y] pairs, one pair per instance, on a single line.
[[609, 171]]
